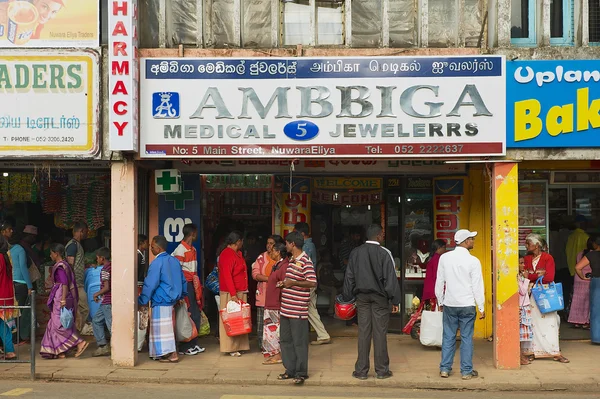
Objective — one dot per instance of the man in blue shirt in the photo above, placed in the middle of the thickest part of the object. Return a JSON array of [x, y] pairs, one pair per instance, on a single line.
[[164, 286], [313, 314]]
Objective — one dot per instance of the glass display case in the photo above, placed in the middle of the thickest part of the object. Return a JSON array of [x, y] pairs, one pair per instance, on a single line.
[[533, 210]]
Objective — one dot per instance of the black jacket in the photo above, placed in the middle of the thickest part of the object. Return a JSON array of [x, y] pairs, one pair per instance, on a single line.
[[371, 270]]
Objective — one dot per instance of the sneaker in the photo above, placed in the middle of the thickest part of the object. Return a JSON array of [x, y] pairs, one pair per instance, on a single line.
[[444, 374], [474, 374], [385, 376], [321, 342], [190, 352], [101, 351], [359, 376], [199, 349]]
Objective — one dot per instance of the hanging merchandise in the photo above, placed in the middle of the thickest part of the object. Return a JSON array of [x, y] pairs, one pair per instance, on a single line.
[[51, 195], [18, 187]]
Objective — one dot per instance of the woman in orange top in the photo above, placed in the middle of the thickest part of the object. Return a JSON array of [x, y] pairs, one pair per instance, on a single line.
[[545, 327], [261, 270], [233, 286]]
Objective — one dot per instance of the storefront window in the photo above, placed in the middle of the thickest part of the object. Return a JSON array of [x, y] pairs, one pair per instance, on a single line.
[[443, 23], [532, 210], [222, 23], [149, 22], [330, 23], [181, 23], [586, 202], [256, 23], [366, 23], [403, 23], [296, 22]]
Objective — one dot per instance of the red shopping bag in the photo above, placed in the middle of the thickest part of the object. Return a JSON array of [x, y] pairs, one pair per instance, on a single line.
[[238, 322]]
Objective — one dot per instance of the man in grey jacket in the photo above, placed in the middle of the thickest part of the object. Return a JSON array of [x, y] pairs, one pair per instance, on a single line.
[[371, 279]]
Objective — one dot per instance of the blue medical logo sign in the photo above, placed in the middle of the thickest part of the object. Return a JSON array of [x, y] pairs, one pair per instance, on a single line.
[[553, 104], [177, 210], [165, 105]]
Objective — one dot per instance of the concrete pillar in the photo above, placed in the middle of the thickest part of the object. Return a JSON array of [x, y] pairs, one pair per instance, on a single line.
[[505, 222], [124, 259]]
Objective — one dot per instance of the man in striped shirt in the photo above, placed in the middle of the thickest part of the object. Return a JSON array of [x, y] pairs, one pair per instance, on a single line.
[[295, 296]]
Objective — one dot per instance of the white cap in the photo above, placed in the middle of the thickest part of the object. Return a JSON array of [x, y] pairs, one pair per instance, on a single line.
[[462, 235]]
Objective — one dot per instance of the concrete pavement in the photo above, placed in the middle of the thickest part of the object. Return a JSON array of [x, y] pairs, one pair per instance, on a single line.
[[414, 366]]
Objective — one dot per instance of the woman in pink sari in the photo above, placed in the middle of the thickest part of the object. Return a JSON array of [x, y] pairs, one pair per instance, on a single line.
[[579, 314], [58, 340]]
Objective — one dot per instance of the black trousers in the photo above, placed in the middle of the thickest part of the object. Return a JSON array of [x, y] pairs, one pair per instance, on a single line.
[[373, 320], [24, 322], [293, 336], [196, 317]]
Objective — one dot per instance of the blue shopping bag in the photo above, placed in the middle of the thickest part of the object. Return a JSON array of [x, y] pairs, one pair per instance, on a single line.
[[548, 299], [212, 281]]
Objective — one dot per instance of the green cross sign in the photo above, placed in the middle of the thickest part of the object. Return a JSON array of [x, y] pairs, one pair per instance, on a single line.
[[166, 180], [180, 199]]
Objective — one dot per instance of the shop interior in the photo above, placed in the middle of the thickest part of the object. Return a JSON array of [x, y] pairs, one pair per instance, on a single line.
[[339, 219]]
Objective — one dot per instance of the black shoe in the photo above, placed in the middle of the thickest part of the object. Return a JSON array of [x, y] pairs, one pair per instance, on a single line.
[[474, 374], [385, 376], [359, 376]]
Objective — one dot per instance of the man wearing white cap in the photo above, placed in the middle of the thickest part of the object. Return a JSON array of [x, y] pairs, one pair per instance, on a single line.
[[459, 291]]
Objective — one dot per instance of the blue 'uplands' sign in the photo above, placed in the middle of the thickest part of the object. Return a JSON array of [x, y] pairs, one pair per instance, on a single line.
[[553, 104]]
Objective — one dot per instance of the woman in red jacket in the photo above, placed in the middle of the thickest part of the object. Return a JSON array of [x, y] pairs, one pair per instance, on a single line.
[[233, 286], [545, 343]]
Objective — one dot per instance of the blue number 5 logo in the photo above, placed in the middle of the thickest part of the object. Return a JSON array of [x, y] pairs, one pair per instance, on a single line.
[[301, 130]]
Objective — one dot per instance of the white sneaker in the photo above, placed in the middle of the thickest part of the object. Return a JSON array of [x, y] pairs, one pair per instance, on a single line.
[[199, 349], [190, 352]]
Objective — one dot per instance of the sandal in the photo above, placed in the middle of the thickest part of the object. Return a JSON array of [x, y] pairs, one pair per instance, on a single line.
[[299, 380], [271, 361], [525, 361], [80, 351], [61, 356], [562, 359], [284, 376]]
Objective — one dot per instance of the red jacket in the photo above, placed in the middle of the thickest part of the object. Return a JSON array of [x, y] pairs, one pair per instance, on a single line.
[[546, 262], [233, 275]]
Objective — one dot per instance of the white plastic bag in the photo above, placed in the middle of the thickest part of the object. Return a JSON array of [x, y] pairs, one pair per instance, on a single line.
[[233, 307], [432, 328]]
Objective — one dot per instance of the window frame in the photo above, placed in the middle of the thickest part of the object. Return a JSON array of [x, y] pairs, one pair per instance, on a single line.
[[531, 39], [567, 38], [314, 25]]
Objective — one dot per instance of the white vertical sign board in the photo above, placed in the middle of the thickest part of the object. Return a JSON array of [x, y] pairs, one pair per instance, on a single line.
[[124, 73]]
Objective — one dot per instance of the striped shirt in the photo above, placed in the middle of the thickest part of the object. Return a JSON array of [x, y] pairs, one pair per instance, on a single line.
[[105, 275], [294, 300], [186, 255]]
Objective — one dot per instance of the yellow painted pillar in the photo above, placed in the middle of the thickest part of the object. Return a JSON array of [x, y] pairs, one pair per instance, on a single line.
[[124, 258], [480, 220], [506, 265]]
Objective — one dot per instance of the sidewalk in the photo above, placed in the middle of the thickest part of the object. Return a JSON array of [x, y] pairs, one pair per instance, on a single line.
[[414, 366]]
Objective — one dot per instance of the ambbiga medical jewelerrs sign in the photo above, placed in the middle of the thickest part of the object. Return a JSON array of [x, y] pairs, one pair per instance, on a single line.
[[323, 107]]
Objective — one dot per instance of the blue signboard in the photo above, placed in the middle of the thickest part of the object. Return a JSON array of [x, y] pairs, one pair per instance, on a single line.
[[553, 104], [177, 210]]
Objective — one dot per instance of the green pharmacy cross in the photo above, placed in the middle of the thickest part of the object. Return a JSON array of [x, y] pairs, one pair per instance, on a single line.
[[166, 180], [180, 199]]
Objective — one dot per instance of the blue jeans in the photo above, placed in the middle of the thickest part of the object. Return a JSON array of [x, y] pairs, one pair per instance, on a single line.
[[102, 317], [455, 318]]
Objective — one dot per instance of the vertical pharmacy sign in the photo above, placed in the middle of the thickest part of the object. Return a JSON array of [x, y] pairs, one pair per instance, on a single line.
[[124, 72]]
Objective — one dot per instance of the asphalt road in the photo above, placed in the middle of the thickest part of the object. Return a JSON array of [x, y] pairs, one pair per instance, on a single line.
[[55, 390]]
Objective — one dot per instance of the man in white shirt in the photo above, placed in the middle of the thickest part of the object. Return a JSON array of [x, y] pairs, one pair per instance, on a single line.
[[459, 288]]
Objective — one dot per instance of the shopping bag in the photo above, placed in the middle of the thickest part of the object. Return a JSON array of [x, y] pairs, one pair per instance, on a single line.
[[143, 320], [66, 318], [549, 297], [204, 326], [432, 328], [212, 281], [237, 318], [185, 328]]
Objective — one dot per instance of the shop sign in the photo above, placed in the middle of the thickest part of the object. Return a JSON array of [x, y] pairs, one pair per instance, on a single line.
[[49, 23], [295, 203], [359, 198], [553, 104], [341, 183], [50, 103], [394, 107], [123, 75], [178, 209], [355, 167], [450, 206]]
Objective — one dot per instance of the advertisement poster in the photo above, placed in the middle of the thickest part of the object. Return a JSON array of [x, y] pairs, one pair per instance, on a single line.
[[49, 23], [49, 104], [450, 207], [539, 118], [296, 204], [323, 108]]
